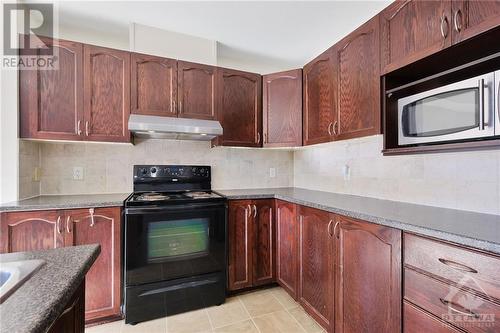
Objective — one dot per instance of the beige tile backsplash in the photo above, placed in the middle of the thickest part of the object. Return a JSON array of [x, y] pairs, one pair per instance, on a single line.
[[461, 180]]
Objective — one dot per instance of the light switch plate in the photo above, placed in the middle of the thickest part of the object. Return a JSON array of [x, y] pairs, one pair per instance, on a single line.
[[272, 172], [77, 173]]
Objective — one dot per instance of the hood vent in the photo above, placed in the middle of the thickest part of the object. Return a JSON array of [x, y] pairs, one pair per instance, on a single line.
[[156, 127]]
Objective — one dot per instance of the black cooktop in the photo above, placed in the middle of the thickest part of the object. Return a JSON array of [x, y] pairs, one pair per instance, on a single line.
[[167, 198]]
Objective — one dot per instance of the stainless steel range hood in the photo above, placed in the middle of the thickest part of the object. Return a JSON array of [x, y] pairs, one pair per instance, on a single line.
[[173, 128]]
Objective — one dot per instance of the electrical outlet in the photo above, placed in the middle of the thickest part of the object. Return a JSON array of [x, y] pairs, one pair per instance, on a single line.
[[346, 171], [77, 173], [272, 172]]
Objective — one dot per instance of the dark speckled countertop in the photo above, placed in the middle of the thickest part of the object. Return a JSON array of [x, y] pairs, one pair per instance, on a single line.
[[42, 298], [477, 230], [71, 201]]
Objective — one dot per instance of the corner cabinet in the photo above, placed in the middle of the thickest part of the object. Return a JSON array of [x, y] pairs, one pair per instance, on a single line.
[[39, 230], [282, 109], [367, 277], [320, 99], [251, 238], [240, 108], [106, 94]]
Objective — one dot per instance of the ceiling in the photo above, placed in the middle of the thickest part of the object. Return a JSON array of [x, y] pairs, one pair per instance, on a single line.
[[288, 33]]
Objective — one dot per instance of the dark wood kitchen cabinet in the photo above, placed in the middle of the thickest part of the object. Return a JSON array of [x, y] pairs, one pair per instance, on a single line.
[[412, 30], [472, 17], [367, 277], [287, 247], [239, 108], [252, 242], [153, 85], [72, 319], [358, 63], [106, 94], [99, 226], [282, 109], [51, 101], [197, 91], [320, 98], [31, 231], [316, 265]]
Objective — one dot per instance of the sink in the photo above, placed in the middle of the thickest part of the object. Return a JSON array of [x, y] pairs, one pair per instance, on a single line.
[[14, 273]]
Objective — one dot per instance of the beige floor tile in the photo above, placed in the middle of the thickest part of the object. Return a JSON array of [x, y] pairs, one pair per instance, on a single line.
[[189, 322], [246, 326], [114, 327], [306, 321], [275, 322], [151, 326], [286, 300], [260, 303], [232, 311]]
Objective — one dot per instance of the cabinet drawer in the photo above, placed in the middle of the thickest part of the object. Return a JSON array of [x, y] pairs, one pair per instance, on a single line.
[[454, 263], [417, 321], [458, 307]]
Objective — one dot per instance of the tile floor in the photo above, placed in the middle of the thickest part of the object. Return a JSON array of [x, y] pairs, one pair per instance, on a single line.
[[263, 311]]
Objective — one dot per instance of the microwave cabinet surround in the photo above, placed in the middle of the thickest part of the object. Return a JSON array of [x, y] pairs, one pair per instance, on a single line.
[[460, 111]]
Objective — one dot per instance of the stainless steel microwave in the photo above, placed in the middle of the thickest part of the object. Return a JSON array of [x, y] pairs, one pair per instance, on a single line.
[[468, 109]]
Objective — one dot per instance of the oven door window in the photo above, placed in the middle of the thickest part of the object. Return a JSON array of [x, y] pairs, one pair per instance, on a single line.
[[178, 239], [442, 114]]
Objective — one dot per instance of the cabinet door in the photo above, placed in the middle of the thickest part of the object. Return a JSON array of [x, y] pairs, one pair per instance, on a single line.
[[368, 277], [51, 100], [240, 108], [106, 94], [358, 63], [282, 109], [472, 17], [287, 229], [320, 99], [72, 320], [99, 226], [240, 232], [31, 231], [264, 259], [316, 265], [153, 87], [412, 30], [197, 91]]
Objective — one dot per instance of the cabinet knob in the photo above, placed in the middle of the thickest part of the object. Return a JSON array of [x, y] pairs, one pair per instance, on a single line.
[[457, 20], [444, 31], [67, 224]]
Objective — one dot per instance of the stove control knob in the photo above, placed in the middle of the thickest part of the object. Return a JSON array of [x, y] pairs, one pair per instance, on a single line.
[[143, 171], [153, 170]]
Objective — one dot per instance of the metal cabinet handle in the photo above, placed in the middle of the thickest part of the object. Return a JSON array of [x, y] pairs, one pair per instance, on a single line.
[[92, 220], [335, 228], [67, 224], [330, 128], [87, 128], [258, 137], [180, 106], [78, 129], [334, 127], [456, 23], [329, 228], [481, 104], [58, 225], [457, 266], [249, 210], [254, 211], [459, 308], [444, 32]]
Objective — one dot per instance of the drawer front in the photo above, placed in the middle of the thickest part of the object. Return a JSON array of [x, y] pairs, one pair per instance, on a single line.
[[460, 308], [417, 321], [472, 269]]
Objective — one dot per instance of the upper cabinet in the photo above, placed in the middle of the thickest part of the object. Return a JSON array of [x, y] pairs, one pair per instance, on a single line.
[[197, 91], [320, 98], [106, 94], [282, 109], [240, 108], [472, 17], [358, 63], [413, 29], [51, 101], [153, 86]]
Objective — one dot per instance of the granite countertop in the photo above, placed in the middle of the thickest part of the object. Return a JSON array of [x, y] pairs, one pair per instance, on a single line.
[[477, 230], [71, 201], [42, 298]]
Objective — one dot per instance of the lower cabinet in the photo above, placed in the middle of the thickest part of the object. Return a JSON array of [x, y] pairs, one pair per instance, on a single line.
[[37, 230], [251, 231], [367, 277], [316, 267], [287, 247], [72, 319]]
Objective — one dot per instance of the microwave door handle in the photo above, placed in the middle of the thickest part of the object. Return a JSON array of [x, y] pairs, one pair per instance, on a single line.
[[481, 104]]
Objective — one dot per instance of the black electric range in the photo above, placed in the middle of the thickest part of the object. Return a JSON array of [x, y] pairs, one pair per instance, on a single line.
[[175, 242]]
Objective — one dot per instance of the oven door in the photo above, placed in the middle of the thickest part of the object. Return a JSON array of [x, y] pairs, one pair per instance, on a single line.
[[165, 243], [462, 110]]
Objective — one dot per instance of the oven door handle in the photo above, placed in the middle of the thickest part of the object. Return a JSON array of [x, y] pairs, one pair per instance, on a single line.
[[148, 210]]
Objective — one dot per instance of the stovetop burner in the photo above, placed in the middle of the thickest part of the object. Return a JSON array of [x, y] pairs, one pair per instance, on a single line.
[[155, 198]]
